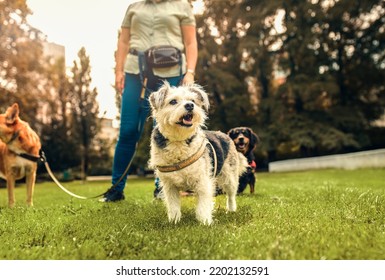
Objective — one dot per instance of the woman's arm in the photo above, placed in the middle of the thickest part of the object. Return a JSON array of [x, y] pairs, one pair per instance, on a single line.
[[191, 47], [120, 58]]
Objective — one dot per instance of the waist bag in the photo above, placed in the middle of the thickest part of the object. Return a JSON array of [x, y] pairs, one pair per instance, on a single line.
[[163, 56]]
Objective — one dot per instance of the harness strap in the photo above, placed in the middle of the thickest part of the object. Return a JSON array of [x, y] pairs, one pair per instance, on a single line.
[[184, 163]]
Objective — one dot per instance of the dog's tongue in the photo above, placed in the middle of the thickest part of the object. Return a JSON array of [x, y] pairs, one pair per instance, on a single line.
[[187, 119]]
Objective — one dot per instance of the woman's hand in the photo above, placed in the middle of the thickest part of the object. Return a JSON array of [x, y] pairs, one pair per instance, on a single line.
[[188, 79], [119, 81]]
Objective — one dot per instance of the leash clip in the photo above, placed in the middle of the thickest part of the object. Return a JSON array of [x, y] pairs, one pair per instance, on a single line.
[[42, 156]]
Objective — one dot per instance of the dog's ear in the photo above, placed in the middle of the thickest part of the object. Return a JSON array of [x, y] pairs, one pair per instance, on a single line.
[[201, 94], [157, 97], [230, 133], [12, 114], [254, 139]]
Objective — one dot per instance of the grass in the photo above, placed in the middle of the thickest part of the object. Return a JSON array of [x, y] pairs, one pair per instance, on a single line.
[[329, 214]]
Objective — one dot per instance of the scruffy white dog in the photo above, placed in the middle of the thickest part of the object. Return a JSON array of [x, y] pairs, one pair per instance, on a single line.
[[185, 157]]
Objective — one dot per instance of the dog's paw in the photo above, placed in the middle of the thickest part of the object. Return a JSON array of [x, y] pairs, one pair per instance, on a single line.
[[207, 222], [231, 209], [174, 217], [231, 206]]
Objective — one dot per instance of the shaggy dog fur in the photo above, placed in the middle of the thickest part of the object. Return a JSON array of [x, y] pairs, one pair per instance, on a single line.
[[16, 137], [246, 140], [180, 114]]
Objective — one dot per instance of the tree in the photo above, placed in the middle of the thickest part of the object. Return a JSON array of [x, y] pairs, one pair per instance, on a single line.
[[20, 61], [57, 136], [324, 48], [84, 108], [329, 46], [219, 66]]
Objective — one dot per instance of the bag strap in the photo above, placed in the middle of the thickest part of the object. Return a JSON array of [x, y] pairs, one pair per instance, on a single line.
[[143, 73]]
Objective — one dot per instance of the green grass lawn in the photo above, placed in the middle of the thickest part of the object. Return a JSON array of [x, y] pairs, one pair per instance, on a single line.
[[329, 214]]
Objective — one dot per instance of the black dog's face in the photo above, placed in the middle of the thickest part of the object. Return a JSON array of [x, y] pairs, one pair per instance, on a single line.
[[244, 138]]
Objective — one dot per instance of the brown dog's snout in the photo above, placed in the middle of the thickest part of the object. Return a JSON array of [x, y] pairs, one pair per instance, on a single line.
[[189, 106]]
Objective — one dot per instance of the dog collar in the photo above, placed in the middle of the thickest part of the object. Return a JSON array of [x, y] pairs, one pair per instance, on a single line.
[[30, 157], [184, 163]]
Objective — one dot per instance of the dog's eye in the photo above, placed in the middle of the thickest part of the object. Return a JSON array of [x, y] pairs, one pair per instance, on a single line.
[[173, 102]]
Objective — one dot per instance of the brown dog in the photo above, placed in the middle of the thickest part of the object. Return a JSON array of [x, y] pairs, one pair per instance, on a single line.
[[17, 140], [246, 140]]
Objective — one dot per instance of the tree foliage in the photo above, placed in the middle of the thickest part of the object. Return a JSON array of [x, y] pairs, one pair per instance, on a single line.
[[62, 109], [84, 107], [20, 57], [306, 75]]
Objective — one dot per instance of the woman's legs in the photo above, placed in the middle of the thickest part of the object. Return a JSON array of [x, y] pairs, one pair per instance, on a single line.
[[134, 112]]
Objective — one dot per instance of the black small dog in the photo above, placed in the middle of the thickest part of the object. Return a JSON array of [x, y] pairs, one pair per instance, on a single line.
[[246, 141]]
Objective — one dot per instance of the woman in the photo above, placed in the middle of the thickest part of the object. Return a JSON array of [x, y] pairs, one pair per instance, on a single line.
[[146, 24]]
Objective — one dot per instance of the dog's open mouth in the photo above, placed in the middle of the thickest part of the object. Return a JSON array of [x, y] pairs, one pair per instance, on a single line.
[[186, 120], [241, 145]]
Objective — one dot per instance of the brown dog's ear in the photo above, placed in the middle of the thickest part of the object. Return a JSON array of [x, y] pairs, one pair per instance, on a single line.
[[157, 97], [230, 133], [12, 114], [254, 139]]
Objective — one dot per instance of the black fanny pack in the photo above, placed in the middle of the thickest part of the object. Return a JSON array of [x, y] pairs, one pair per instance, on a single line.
[[163, 56]]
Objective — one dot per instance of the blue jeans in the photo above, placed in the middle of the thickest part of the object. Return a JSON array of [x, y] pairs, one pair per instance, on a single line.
[[134, 112]]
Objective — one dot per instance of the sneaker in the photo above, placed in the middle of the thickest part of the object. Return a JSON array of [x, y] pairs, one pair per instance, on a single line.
[[112, 195]]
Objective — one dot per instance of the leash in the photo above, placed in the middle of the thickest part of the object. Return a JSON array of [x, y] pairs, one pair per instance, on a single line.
[[42, 158]]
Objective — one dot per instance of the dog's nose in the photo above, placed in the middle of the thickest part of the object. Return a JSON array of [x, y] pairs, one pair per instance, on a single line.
[[189, 106]]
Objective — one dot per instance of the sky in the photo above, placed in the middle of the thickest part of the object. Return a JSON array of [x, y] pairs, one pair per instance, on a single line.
[[92, 24]]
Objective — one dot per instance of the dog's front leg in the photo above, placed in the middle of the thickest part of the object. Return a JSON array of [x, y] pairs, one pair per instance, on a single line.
[[205, 204], [30, 182], [172, 200], [11, 191], [231, 192], [231, 202]]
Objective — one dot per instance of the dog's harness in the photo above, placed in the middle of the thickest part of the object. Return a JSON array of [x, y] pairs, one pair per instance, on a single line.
[[187, 162]]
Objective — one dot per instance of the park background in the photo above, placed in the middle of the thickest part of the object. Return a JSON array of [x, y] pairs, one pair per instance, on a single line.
[[306, 76]]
